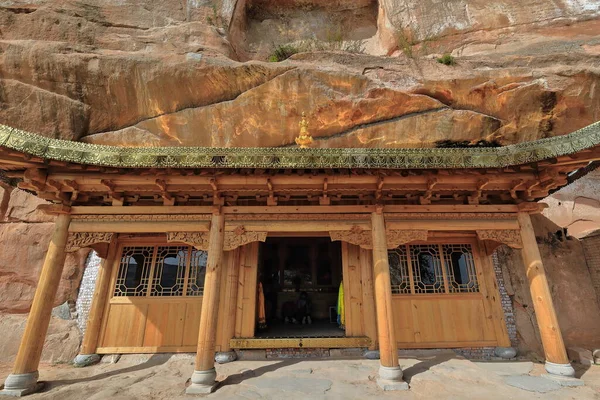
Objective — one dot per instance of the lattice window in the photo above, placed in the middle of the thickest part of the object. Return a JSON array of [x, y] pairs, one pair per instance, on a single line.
[[399, 270], [197, 272], [427, 268], [134, 271], [460, 268], [160, 271], [433, 268], [169, 271]]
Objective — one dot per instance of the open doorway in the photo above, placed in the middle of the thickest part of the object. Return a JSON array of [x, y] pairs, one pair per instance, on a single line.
[[301, 279]]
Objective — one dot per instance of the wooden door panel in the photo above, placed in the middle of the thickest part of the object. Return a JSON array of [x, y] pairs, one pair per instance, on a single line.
[[164, 324], [125, 325]]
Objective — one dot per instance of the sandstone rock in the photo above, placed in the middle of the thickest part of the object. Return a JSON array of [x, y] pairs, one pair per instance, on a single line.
[[21, 207], [23, 249], [164, 74], [61, 344]]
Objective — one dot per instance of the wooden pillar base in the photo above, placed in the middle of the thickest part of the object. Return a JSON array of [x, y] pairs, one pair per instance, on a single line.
[[17, 385], [203, 382]]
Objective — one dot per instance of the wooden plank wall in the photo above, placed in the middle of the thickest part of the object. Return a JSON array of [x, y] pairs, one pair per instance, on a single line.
[[359, 300], [246, 298], [168, 324]]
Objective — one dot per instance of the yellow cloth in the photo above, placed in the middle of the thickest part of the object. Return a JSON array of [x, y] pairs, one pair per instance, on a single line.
[[262, 320], [340, 307]]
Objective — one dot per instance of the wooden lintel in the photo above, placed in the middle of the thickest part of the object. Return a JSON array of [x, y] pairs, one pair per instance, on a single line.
[[296, 226], [159, 210]]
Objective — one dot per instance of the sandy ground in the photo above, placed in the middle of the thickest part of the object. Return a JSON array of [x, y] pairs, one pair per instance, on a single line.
[[442, 376]]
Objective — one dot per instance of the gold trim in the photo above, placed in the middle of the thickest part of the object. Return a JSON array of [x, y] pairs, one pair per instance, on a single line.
[[287, 157], [284, 343]]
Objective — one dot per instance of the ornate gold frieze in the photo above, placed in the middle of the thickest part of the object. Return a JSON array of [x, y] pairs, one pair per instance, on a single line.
[[80, 240], [492, 238], [364, 238], [287, 157], [198, 240], [240, 237]]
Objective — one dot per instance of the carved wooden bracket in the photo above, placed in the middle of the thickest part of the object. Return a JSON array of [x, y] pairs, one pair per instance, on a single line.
[[232, 240], [364, 239], [98, 241], [396, 238], [493, 238], [240, 237], [198, 240]]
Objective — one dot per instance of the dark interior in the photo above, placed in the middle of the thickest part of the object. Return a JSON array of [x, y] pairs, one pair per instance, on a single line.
[[301, 278]]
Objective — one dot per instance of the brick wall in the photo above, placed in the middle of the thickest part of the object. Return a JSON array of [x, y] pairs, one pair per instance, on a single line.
[[591, 249]]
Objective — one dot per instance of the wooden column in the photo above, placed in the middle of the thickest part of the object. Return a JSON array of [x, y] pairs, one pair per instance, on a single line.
[[203, 378], [23, 379], [557, 361], [101, 293], [388, 348]]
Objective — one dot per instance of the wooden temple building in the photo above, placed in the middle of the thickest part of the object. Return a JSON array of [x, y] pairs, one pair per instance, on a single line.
[[189, 235]]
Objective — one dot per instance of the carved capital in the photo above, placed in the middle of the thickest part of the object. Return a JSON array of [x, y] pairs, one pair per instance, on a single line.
[[240, 237], [96, 240], [198, 240], [364, 239], [492, 238]]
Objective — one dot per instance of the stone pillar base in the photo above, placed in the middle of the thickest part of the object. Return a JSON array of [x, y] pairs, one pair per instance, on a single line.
[[390, 378], [17, 385], [559, 369], [224, 357], [505, 353], [203, 382], [85, 360]]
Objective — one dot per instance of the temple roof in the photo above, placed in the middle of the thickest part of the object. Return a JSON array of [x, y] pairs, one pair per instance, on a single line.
[[47, 149]]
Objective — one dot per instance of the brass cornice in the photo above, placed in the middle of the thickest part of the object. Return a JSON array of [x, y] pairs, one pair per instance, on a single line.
[[211, 157]]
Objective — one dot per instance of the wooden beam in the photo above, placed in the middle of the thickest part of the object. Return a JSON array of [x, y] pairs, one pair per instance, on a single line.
[[322, 209]]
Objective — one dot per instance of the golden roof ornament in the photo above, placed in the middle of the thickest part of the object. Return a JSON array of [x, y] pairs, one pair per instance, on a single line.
[[304, 139]]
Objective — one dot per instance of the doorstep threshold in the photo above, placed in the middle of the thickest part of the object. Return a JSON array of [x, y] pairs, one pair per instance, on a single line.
[[325, 342]]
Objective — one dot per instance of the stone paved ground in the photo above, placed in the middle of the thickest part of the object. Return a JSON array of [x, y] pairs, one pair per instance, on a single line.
[[442, 376]]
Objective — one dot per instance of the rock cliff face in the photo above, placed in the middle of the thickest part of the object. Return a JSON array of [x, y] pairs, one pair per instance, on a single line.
[[146, 73]]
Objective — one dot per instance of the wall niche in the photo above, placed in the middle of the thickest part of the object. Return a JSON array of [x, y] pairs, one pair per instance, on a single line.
[[264, 26]]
